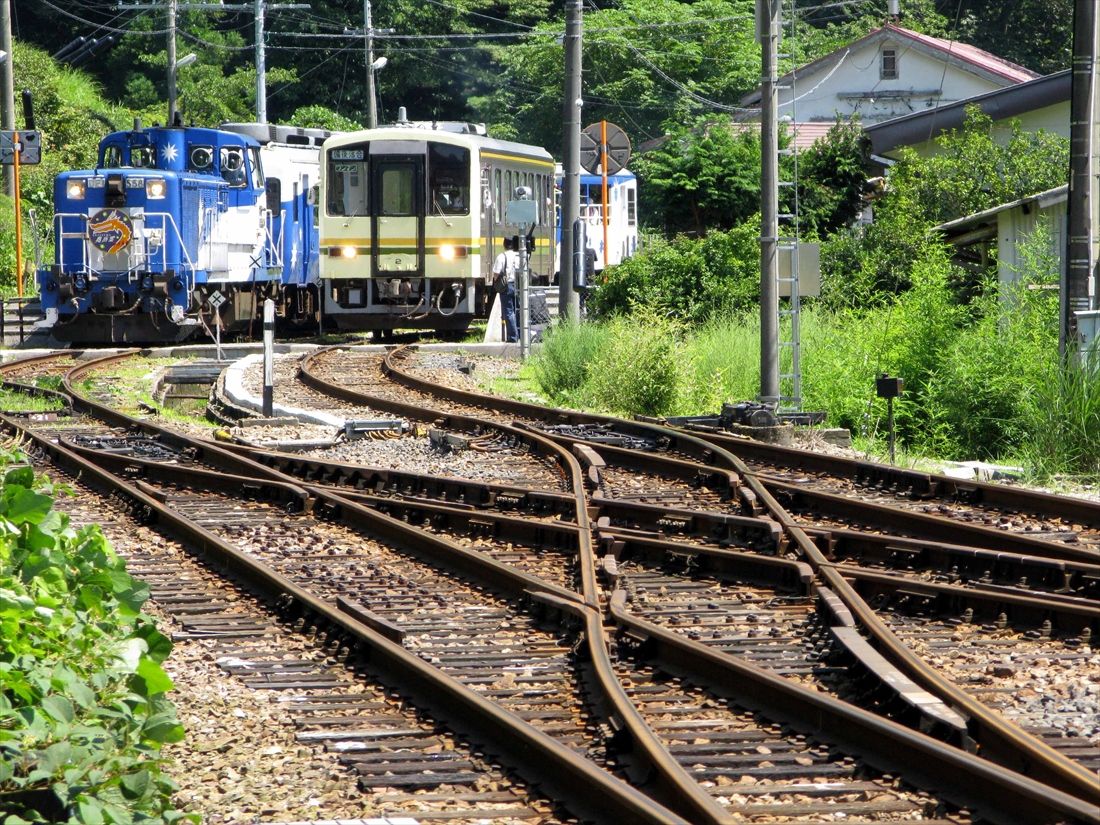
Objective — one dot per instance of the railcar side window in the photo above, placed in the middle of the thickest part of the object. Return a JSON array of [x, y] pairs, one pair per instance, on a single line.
[[346, 185], [449, 179], [496, 196], [397, 191], [631, 207]]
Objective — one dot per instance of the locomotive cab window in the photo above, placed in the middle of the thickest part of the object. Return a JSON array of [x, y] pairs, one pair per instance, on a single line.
[[112, 157], [143, 157], [346, 186], [449, 179], [200, 158], [257, 169], [232, 165]]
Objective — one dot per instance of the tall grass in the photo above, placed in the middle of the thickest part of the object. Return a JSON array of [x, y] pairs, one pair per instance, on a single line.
[[982, 381]]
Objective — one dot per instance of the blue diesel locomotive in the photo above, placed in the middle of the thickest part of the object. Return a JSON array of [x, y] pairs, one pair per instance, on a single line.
[[181, 228]]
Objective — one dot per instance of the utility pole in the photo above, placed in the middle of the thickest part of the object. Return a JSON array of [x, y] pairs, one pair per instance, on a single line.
[[257, 7], [767, 29], [171, 61], [568, 299], [7, 79], [368, 44], [1078, 288], [261, 64]]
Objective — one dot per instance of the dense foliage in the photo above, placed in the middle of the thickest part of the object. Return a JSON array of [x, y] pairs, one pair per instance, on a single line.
[[973, 170], [83, 712]]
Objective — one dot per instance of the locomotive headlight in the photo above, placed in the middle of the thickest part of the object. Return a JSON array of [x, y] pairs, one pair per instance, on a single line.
[[347, 252], [155, 189], [75, 189]]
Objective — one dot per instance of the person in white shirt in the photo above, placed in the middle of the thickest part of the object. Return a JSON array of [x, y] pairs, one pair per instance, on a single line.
[[505, 268]]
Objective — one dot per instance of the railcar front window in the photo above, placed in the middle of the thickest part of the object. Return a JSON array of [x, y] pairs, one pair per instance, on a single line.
[[346, 187], [397, 191], [449, 179]]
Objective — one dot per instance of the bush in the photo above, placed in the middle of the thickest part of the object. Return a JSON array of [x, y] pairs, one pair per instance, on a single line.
[[686, 279], [83, 712], [637, 369], [563, 362], [1062, 420]]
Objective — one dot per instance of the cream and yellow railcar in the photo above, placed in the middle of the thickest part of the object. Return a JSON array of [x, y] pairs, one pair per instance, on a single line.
[[412, 217]]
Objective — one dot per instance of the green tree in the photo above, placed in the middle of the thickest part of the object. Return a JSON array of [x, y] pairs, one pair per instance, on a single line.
[[703, 176], [1037, 34], [832, 177], [975, 168]]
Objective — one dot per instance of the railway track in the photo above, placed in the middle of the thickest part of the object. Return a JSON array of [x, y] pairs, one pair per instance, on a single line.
[[631, 657], [402, 762]]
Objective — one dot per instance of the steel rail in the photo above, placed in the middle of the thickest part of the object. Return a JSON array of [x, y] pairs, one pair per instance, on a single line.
[[459, 492], [920, 484], [999, 739], [1003, 796], [538, 758], [671, 782], [727, 447]]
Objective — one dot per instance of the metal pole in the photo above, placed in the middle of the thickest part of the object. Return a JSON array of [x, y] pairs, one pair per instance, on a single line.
[[603, 167], [368, 45], [269, 356], [767, 21], [7, 79], [171, 61], [261, 65], [890, 421], [1081, 255], [524, 299], [568, 299], [18, 217]]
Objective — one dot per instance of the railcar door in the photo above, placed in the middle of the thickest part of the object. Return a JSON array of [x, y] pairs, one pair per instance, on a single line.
[[397, 232]]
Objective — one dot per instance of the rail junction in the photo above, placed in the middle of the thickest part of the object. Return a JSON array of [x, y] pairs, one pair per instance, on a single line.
[[584, 618]]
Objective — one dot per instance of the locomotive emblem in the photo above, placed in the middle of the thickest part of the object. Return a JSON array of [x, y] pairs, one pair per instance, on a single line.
[[110, 230]]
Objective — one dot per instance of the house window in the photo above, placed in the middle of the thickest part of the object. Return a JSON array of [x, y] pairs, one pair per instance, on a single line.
[[889, 68]]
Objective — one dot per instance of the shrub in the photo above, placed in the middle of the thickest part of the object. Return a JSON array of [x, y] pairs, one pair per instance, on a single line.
[[637, 369], [686, 279], [1062, 420], [83, 712], [562, 364]]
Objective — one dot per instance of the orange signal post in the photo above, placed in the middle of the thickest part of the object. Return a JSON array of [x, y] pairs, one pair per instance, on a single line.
[[603, 169], [18, 221]]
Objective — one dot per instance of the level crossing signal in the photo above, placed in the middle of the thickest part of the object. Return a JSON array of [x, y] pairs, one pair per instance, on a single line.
[[618, 148]]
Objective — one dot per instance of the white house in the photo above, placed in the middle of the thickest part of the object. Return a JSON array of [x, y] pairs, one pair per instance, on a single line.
[[890, 72]]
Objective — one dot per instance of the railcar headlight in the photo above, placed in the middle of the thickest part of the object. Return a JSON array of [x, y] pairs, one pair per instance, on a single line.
[[348, 252], [155, 189], [76, 189], [450, 252]]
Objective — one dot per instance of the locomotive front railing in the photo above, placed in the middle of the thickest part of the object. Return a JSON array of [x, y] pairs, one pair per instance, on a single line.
[[140, 257]]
